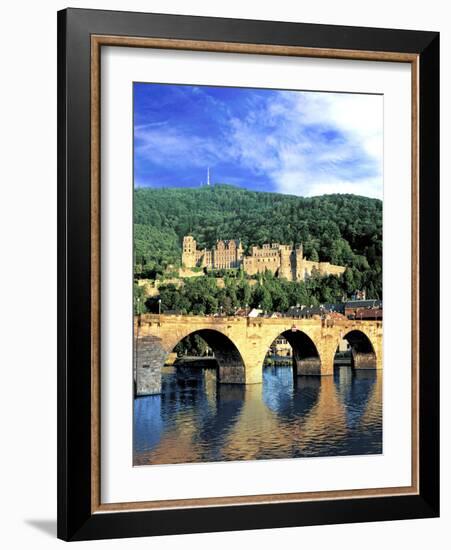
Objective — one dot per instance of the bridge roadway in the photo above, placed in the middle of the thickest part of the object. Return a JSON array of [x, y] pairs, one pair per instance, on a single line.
[[240, 345]]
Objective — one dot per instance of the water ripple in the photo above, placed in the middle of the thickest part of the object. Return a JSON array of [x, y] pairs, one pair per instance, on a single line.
[[196, 420]]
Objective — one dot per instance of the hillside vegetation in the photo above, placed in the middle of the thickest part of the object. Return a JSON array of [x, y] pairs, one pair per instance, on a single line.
[[343, 229]]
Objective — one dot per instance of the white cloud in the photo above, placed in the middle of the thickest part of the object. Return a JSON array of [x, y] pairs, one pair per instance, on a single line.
[[314, 143], [305, 143], [359, 116]]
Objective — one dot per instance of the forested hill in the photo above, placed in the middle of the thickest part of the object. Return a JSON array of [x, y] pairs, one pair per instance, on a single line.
[[342, 229]]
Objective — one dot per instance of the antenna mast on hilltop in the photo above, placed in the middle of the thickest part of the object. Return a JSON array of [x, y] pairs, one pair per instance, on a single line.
[[207, 183]]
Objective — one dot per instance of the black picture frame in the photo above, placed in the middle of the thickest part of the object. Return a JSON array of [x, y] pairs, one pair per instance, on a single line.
[[76, 521]]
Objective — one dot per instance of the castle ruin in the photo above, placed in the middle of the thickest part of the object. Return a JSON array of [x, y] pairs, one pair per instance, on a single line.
[[281, 259]]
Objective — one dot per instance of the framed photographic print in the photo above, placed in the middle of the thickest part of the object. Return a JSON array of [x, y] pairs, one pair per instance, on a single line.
[[248, 274]]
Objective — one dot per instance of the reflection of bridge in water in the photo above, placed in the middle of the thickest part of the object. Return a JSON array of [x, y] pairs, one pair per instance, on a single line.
[[240, 345], [284, 417]]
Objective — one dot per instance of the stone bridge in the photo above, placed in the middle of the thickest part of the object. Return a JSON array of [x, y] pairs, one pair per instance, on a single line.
[[240, 345]]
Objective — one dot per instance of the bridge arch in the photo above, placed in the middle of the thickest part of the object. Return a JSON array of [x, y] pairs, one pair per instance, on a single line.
[[231, 368], [363, 351], [152, 351], [306, 356]]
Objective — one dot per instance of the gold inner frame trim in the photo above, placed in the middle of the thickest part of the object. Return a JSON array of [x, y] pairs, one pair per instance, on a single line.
[[97, 41]]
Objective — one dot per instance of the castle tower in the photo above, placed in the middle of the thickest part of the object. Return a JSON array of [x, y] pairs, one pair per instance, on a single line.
[[300, 272], [189, 252], [239, 254], [231, 255], [285, 270]]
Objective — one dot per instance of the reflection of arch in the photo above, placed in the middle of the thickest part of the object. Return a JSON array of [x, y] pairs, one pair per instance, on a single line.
[[184, 435], [222, 417], [230, 362], [362, 350], [355, 390], [319, 418], [279, 389]]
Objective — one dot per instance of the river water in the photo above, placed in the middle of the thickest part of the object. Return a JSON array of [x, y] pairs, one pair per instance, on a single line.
[[197, 420]]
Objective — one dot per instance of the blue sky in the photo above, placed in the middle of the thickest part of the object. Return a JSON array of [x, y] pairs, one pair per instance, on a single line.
[[300, 143]]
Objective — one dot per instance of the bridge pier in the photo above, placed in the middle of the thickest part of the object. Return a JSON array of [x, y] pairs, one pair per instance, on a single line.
[[364, 361], [231, 367], [308, 366], [149, 358], [239, 372], [321, 364], [254, 372], [231, 374]]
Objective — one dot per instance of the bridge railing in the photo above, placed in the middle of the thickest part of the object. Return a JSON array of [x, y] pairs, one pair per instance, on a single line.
[[326, 322]]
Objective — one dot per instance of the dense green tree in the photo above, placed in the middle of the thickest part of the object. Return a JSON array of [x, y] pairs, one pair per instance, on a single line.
[[342, 229], [191, 345], [314, 255]]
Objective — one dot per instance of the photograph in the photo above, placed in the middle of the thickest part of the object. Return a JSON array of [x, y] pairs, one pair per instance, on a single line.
[[257, 276]]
